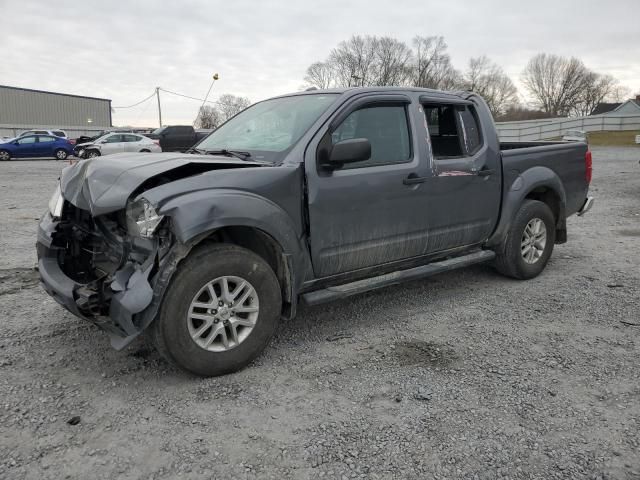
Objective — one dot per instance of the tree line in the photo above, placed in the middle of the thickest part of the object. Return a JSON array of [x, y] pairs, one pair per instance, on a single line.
[[558, 86], [227, 106]]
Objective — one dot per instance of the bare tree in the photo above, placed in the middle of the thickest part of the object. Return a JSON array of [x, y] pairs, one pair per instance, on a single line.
[[556, 83], [432, 66], [391, 62], [619, 94], [208, 117], [229, 105], [353, 61], [598, 87], [225, 107], [490, 82], [320, 75]]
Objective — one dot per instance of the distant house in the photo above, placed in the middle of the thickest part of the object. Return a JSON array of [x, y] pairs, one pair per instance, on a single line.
[[630, 107], [604, 108]]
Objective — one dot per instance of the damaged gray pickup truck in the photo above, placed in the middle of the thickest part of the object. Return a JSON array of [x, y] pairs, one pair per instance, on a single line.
[[311, 197]]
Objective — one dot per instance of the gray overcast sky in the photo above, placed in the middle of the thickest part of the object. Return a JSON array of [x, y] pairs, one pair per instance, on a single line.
[[123, 50]]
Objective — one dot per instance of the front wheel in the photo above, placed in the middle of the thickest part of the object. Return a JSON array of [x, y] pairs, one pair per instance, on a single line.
[[220, 311], [92, 154], [61, 154], [4, 155], [529, 243]]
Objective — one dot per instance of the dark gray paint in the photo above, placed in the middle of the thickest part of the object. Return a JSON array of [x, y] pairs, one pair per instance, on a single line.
[[331, 226]]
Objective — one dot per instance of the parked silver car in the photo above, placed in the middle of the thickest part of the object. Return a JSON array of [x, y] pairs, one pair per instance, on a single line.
[[116, 143]]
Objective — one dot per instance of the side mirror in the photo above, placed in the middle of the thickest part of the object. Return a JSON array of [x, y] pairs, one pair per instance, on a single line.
[[103, 141], [349, 151]]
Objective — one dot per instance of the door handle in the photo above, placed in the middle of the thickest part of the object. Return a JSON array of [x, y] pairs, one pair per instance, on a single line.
[[414, 179], [485, 172]]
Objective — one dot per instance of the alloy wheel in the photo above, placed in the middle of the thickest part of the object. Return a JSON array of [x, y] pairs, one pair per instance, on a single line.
[[223, 313], [534, 240]]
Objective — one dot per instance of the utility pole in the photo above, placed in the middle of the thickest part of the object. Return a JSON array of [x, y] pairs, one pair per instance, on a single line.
[[159, 109], [213, 80]]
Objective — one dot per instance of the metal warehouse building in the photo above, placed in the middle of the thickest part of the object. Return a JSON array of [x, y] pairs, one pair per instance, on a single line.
[[23, 109]]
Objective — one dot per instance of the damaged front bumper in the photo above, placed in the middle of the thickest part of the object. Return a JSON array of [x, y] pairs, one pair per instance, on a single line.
[[122, 302]]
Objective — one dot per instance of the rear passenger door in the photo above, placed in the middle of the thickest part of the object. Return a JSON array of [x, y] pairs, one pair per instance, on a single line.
[[45, 145], [131, 142], [183, 137], [465, 188]]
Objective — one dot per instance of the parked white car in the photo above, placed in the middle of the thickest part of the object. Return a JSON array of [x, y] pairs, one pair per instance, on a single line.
[[116, 143]]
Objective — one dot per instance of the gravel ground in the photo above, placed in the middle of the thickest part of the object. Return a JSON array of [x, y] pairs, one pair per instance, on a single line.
[[463, 375]]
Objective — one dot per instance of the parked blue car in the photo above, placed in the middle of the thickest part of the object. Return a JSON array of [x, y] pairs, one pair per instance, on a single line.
[[36, 146]]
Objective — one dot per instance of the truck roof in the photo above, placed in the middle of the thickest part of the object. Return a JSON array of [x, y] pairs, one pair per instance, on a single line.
[[357, 90]]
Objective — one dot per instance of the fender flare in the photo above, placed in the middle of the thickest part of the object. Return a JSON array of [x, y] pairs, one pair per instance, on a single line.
[[195, 215], [523, 185]]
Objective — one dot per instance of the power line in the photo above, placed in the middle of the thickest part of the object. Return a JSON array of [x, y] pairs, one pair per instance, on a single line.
[[136, 104], [198, 99]]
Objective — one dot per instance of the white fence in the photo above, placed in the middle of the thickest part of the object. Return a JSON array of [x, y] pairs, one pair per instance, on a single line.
[[531, 130]]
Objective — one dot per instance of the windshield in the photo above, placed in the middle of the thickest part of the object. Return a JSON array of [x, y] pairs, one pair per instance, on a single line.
[[158, 131], [272, 126]]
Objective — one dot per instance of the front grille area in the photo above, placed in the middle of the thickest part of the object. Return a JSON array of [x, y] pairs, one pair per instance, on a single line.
[[91, 249]]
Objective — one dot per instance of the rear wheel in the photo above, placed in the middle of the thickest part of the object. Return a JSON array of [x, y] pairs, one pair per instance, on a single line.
[[220, 311], [92, 154], [61, 154], [529, 244], [4, 155]]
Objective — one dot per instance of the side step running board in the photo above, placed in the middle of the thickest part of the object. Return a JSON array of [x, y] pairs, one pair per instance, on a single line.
[[360, 286]]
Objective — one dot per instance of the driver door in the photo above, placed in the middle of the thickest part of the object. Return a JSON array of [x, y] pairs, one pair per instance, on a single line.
[[112, 144], [369, 212], [27, 146]]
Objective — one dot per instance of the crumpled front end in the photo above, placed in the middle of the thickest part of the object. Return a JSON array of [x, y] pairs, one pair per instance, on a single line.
[[98, 271]]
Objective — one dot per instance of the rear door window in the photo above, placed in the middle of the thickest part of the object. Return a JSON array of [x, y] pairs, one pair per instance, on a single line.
[[131, 138], [44, 139], [453, 130], [470, 130]]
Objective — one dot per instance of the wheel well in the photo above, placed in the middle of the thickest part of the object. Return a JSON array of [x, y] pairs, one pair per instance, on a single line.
[[266, 247], [551, 198], [145, 150]]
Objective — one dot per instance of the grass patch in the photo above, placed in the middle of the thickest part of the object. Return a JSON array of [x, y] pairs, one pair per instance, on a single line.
[[613, 138]]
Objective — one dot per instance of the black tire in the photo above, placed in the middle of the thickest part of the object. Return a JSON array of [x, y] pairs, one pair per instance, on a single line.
[[5, 155], [509, 257], [91, 153], [61, 154], [170, 330]]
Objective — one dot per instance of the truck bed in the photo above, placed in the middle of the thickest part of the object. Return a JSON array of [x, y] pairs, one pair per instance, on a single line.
[[565, 159]]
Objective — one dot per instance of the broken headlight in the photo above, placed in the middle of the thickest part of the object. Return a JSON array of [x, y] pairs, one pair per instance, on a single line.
[[56, 202], [142, 218]]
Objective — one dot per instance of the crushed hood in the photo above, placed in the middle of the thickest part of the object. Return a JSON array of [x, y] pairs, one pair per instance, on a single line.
[[104, 184]]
